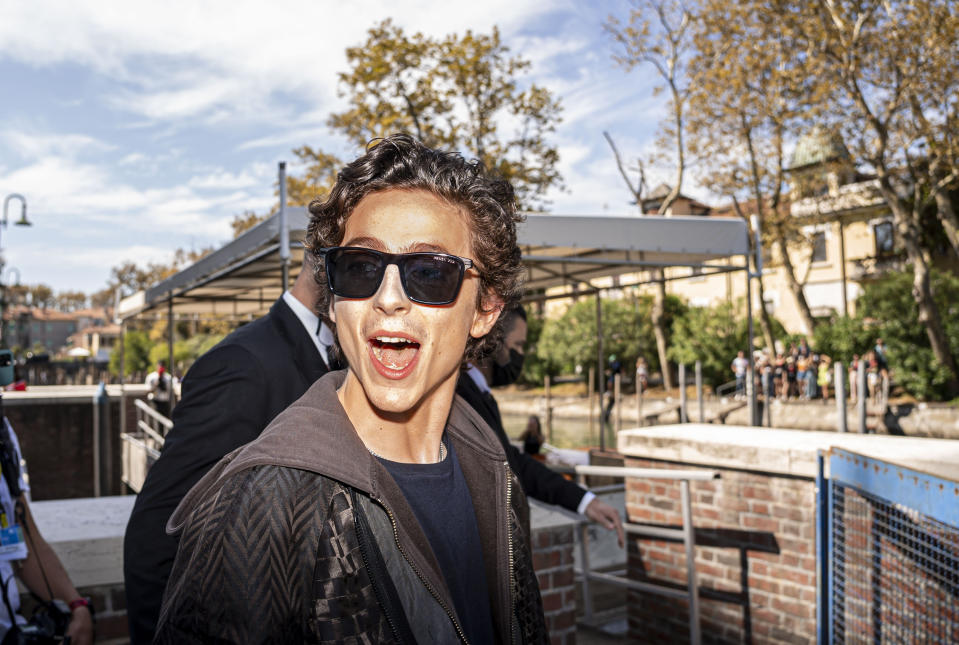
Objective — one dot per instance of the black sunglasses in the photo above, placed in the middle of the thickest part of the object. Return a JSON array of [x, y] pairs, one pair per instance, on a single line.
[[427, 278]]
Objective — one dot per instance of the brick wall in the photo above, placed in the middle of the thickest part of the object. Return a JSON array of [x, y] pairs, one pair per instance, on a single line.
[[755, 558], [553, 561]]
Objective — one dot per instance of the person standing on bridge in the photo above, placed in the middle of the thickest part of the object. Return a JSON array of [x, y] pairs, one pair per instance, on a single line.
[[159, 384]]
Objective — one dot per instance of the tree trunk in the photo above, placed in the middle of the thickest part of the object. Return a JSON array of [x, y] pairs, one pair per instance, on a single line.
[[907, 226], [929, 316], [947, 215], [795, 287], [659, 326], [765, 323]]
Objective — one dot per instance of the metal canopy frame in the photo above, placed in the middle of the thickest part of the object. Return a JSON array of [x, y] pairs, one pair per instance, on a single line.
[[244, 277]]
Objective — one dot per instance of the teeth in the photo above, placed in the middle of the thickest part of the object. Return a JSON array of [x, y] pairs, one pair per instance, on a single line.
[[392, 339]]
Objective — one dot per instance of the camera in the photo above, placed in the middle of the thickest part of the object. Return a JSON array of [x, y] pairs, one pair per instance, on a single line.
[[47, 626]]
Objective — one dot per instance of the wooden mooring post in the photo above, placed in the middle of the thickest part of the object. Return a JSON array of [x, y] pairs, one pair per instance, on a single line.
[[591, 382], [549, 409]]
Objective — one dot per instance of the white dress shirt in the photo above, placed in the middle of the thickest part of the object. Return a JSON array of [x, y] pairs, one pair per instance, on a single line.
[[324, 339], [474, 373]]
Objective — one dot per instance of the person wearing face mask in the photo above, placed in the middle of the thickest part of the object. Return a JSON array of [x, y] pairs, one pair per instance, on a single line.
[[538, 481]]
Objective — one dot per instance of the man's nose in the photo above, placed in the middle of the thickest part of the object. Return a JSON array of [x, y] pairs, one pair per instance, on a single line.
[[391, 297]]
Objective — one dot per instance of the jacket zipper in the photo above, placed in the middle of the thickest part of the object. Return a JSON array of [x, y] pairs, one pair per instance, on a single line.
[[509, 542], [361, 525], [396, 538]]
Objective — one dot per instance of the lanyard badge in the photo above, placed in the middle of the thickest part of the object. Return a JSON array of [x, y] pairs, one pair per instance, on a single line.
[[12, 546]]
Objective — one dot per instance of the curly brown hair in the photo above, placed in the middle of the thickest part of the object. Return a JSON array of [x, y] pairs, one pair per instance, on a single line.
[[402, 162]]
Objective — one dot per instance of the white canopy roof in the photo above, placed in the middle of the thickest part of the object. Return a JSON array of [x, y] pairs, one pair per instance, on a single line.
[[244, 277]]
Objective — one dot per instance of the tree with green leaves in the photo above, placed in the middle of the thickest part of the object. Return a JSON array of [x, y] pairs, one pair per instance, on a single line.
[[893, 68], [571, 340], [750, 97], [886, 309], [711, 335], [244, 222], [657, 34], [136, 350], [71, 300], [458, 92], [41, 295]]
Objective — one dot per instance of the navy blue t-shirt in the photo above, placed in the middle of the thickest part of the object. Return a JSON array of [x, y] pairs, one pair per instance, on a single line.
[[438, 495]]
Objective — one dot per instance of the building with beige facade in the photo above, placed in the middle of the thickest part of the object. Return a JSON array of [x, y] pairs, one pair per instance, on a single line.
[[843, 237]]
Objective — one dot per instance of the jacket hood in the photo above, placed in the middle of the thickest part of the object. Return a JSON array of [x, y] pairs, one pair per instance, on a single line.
[[315, 434]]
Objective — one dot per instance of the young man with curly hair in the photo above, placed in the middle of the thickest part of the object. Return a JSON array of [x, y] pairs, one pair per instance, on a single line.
[[379, 507]]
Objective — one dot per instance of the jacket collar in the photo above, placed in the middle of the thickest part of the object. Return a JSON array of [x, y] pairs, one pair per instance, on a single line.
[[315, 434], [308, 361], [302, 436]]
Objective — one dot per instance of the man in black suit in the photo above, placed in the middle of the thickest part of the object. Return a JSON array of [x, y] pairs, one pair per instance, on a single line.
[[538, 481], [229, 396]]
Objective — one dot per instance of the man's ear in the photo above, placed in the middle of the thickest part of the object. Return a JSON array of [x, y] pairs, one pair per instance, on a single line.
[[330, 309], [486, 315]]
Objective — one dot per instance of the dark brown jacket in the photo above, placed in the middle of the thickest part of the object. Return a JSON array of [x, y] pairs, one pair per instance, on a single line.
[[303, 536]]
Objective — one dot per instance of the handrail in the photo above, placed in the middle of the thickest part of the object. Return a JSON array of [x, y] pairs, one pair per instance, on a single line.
[[153, 414], [686, 534], [727, 386], [142, 446], [648, 473], [153, 434]]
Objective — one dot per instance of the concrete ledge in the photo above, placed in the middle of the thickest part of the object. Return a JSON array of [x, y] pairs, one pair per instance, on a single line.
[[87, 535], [60, 394], [789, 452]]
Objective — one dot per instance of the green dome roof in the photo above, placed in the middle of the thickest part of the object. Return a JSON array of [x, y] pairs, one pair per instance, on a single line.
[[817, 147]]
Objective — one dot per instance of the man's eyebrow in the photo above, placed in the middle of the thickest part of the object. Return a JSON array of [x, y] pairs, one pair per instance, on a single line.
[[426, 247], [365, 242], [377, 244]]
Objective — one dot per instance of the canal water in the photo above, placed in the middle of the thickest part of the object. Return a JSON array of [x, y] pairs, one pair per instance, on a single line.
[[567, 433]]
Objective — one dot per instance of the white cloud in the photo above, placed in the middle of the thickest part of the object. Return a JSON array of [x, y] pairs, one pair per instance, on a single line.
[[133, 159], [221, 58], [35, 146], [222, 179], [211, 94], [61, 192]]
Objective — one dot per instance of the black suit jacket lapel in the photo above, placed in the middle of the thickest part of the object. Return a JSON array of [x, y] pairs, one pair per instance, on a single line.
[[309, 362]]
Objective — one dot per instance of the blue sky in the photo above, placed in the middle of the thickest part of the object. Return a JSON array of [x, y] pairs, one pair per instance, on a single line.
[[137, 128]]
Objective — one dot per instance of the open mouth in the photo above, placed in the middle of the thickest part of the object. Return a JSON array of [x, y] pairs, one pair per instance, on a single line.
[[395, 353]]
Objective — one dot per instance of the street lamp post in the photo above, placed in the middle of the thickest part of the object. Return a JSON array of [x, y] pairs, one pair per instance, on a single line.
[[23, 221]]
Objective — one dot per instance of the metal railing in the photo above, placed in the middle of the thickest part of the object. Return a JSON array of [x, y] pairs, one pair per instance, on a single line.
[[725, 388], [685, 534], [888, 549], [141, 448]]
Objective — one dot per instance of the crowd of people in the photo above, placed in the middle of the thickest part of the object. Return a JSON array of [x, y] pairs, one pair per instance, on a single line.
[[803, 374]]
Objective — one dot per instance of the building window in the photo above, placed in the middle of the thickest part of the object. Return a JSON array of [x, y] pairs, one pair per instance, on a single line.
[[819, 247], [885, 242]]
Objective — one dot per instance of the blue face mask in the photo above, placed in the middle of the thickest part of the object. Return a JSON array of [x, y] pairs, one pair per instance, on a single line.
[[509, 373]]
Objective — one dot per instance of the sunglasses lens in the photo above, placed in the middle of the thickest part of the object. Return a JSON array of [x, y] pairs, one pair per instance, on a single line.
[[432, 279], [429, 279], [355, 273]]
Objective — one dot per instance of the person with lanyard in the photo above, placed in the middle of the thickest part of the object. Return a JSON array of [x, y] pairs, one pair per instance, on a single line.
[[26, 556]]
